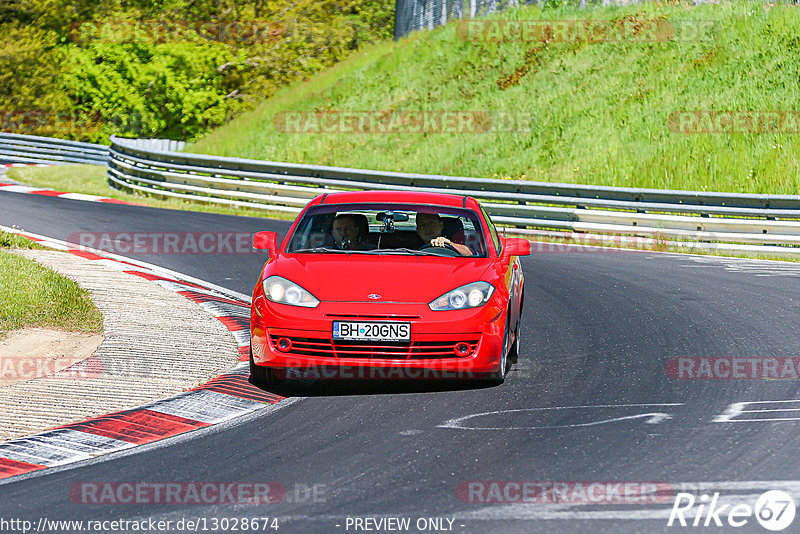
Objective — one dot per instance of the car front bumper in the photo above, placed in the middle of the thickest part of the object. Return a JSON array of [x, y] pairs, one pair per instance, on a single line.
[[291, 337]]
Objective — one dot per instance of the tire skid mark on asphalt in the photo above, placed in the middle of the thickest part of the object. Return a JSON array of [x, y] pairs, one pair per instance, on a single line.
[[211, 302], [223, 398], [202, 297], [237, 385]]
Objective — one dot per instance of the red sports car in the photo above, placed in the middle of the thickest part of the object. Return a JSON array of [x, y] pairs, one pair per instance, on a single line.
[[388, 285]]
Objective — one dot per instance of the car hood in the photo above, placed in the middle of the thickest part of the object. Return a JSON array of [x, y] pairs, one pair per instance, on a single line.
[[350, 278]]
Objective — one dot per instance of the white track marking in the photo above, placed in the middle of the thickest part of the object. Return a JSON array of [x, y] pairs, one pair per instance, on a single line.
[[52, 449], [206, 406], [262, 411], [74, 440], [652, 418], [19, 188], [80, 196], [738, 408]]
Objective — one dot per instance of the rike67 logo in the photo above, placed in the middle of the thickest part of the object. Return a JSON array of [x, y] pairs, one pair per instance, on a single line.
[[774, 510]]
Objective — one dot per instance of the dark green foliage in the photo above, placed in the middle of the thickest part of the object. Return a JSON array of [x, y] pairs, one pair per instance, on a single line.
[[84, 69]]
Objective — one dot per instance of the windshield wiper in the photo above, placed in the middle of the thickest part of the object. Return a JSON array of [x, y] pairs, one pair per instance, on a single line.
[[326, 250], [317, 249], [377, 251], [407, 252]]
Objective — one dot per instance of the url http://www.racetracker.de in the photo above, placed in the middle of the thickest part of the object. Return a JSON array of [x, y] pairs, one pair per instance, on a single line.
[[196, 524]]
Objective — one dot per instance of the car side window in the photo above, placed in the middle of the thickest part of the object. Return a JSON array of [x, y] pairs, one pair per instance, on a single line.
[[493, 231]]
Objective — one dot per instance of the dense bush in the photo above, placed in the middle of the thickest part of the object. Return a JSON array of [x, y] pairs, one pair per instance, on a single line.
[[77, 69]]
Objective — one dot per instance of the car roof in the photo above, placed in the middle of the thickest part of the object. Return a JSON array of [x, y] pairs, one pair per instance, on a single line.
[[411, 197]]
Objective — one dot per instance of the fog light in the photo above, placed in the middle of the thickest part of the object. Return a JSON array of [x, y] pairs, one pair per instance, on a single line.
[[284, 344], [462, 349]]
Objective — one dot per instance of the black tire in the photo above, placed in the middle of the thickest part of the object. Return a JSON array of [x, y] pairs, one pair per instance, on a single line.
[[261, 376], [513, 351], [499, 376], [513, 354]]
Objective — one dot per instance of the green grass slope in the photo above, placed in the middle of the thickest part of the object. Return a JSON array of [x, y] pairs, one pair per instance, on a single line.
[[32, 295], [598, 112]]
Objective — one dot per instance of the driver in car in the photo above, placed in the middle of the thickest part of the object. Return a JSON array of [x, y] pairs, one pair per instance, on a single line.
[[347, 234], [429, 228]]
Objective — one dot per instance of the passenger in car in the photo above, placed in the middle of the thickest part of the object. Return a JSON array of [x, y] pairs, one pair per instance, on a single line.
[[430, 227], [350, 232]]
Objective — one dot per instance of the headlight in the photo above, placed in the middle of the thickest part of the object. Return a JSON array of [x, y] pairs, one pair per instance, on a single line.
[[468, 296], [282, 291]]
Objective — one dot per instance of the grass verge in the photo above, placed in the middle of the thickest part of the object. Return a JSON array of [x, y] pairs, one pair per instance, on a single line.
[[32, 295], [599, 112], [9, 240]]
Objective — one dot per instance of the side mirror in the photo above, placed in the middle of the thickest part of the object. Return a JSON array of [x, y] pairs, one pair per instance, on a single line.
[[515, 246], [266, 241]]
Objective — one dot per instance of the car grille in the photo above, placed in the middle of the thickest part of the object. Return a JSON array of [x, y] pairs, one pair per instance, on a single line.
[[370, 316], [393, 350]]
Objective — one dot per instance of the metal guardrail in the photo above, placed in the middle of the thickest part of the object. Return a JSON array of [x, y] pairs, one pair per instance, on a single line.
[[157, 144], [285, 187], [16, 148], [769, 223]]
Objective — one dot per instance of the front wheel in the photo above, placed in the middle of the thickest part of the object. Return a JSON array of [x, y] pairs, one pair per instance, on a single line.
[[499, 376]]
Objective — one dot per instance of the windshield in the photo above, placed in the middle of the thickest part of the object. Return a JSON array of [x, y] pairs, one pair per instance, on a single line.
[[389, 229]]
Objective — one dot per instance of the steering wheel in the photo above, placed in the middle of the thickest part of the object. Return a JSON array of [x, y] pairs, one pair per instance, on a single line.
[[450, 249]]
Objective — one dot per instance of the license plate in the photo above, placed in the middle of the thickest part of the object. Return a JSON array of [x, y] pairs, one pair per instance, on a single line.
[[372, 331]]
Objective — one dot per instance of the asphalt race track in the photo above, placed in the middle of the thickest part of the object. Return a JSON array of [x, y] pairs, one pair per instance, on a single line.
[[590, 401]]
